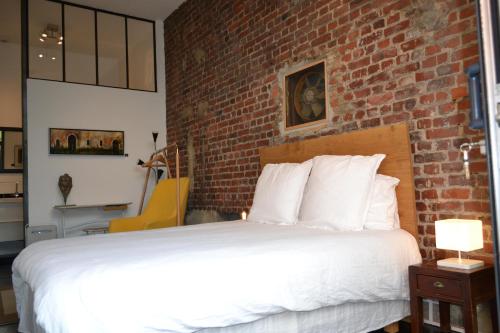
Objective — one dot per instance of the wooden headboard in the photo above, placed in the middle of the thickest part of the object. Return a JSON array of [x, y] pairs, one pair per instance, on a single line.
[[393, 140]]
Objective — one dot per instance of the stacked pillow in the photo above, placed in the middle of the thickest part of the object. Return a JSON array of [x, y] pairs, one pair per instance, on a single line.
[[383, 211], [279, 193], [342, 193]]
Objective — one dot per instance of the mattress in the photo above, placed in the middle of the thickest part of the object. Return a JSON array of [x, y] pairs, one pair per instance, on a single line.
[[345, 318], [215, 275]]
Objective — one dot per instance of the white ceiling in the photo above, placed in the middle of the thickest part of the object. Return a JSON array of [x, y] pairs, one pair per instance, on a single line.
[[148, 9]]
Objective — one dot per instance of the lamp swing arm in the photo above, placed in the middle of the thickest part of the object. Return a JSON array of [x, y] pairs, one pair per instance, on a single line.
[[164, 151]]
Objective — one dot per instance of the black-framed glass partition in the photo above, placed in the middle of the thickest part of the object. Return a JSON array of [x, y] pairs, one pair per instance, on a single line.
[[112, 54], [10, 64], [78, 44], [80, 48]]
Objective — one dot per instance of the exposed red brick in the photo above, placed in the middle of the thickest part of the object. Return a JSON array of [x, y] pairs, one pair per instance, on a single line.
[[432, 49], [442, 133], [431, 169], [382, 66], [455, 193], [429, 194], [477, 206], [412, 44], [424, 76]]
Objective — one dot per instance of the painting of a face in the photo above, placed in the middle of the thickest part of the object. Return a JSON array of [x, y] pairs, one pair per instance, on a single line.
[[305, 96]]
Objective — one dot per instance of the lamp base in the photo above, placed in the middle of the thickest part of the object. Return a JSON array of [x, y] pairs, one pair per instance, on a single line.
[[460, 263]]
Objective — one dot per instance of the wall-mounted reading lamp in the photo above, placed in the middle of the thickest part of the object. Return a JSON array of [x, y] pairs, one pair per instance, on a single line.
[[476, 110], [465, 148], [476, 114]]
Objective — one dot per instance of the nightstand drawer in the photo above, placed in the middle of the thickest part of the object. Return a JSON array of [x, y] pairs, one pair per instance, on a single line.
[[437, 285]]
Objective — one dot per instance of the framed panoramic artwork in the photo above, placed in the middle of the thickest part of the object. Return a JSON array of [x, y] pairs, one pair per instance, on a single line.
[[86, 142], [305, 96]]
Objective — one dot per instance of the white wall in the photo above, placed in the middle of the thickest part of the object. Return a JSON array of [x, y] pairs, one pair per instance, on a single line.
[[96, 179]]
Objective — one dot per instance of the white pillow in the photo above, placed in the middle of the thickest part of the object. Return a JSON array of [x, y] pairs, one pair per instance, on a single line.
[[338, 191], [279, 193], [383, 211]]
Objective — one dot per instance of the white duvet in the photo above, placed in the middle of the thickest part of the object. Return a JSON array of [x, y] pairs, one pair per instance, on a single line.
[[213, 275]]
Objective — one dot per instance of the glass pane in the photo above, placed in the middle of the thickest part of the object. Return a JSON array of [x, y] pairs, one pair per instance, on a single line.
[[79, 31], [45, 40], [141, 65], [111, 50], [10, 66], [13, 150]]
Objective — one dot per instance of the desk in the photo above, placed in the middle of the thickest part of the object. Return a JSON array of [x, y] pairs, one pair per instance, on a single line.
[[106, 207]]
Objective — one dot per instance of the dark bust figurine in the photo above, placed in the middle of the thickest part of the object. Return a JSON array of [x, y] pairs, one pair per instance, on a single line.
[[65, 184]]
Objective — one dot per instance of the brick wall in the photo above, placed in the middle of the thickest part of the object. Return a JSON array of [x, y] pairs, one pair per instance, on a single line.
[[387, 61]]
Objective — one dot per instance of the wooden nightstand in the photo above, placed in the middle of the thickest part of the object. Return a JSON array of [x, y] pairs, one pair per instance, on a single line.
[[463, 287]]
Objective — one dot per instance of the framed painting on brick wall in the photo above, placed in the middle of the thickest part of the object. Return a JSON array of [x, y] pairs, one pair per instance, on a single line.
[[305, 96]]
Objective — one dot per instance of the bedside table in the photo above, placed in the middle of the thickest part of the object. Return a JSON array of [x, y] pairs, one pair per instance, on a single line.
[[447, 285]]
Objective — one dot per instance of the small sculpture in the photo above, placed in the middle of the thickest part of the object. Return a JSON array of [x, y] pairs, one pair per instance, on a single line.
[[65, 184]]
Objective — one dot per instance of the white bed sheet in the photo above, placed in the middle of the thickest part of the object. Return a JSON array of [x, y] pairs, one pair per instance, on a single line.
[[213, 275]]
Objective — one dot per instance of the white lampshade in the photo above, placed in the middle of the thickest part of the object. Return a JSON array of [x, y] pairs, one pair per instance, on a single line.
[[459, 235]]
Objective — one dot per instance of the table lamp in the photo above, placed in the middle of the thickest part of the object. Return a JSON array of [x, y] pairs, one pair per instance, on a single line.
[[459, 235]]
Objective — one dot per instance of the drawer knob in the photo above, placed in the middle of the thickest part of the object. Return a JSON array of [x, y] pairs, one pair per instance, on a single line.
[[439, 284]]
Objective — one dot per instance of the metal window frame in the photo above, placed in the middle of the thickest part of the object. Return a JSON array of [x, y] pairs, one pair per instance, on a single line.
[[96, 11], [24, 91], [488, 25]]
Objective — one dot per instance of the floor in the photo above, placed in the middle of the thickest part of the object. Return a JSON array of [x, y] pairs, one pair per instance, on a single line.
[[5, 280], [404, 327]]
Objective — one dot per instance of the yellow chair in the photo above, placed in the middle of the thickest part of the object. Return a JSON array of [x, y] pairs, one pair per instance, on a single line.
[[161, 211]]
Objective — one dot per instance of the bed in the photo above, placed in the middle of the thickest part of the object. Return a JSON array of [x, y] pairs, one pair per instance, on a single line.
[[233, 277]]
